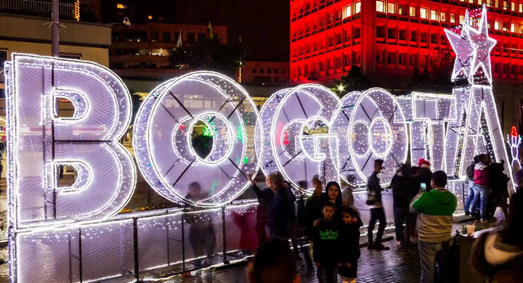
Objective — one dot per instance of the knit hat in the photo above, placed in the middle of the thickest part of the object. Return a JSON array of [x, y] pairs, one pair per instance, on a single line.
[[424, 163]]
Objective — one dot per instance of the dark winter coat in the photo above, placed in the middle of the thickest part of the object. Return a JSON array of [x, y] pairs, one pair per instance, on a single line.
[[349, 248], [264, 198], [313, 207], [404, 189]]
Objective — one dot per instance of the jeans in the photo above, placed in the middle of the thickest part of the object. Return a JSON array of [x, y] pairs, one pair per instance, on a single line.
[[202, 238], [470, 197], [379, 215], [400, 216], [327, 273], [429, 254], [481, 199]]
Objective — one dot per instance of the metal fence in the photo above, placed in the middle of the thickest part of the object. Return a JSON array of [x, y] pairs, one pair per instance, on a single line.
[[37, 7], [152, 245]]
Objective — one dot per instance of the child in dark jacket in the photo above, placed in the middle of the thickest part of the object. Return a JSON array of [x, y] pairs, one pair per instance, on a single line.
[[349, 245], [326, 245]]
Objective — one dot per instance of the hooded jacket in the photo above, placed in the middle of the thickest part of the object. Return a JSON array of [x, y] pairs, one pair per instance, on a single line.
[[482, 175], [494, 259], [435, 210]]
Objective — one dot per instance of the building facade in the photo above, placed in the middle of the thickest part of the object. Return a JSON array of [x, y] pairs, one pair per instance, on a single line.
[[264, 73], [389, 39], [142, 50]]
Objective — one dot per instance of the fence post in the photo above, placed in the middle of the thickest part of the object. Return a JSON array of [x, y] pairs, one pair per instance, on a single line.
[[224, 236], [80, 267], [183, 241], [135, 242]]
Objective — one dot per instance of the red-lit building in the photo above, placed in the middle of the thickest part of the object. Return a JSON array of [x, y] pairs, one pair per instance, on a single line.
[[389, 38]]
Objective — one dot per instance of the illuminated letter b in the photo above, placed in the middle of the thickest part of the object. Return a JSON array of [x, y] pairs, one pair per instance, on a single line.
[[39, 141]]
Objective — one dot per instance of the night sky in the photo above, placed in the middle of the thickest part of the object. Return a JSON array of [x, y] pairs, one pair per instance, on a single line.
[[264, 25]]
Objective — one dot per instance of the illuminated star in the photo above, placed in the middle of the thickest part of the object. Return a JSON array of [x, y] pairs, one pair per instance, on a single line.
[[464, 53], [483, 45]]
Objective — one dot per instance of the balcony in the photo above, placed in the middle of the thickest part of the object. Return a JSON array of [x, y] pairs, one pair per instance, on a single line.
[[42, 8]]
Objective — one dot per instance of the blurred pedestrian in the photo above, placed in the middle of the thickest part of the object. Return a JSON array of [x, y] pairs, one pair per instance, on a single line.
[[377, 213], [470, 176], [273, 263], [481, 186], [404, 189], [264, 198], [498, 255], [326, 245], [349, 245]]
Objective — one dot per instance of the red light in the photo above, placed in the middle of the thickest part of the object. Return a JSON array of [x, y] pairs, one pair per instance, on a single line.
[[514, 132]]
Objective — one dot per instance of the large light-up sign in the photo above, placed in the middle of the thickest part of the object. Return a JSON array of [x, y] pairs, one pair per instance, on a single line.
[[302, 132]]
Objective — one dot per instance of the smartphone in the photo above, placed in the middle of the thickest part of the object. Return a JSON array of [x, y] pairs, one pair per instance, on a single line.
[[424, 187]]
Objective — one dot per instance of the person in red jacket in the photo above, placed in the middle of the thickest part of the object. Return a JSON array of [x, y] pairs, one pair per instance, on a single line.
[[481, 186]]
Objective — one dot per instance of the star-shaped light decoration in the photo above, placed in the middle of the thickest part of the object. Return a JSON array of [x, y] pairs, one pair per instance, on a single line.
[[472, 47], [483, 45], [459, 41]]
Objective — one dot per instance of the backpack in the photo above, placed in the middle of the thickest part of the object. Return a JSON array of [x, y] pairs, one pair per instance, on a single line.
[[470, 172]]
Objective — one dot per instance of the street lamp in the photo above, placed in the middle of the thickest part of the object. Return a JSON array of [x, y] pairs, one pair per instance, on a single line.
[[125, 21]]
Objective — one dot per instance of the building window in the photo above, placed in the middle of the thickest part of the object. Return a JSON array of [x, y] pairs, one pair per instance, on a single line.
[[322, 22], [496, 3], [154, 36], [423, 37], [348, 11], [453, 18], [403, 35], [512, 27], [269, 71], [150, 17], [433, 15], [413, 11], [461, 19], [283, 71], [391, 33], [496, 25], [413, 60], [3, 56], [423, 13], [480, 2], [357, 33], [357, 7], [331, 18], [443, 16], [471, 1], [190, 37], [340, 15], [391, 8], [346, 58], [202, 37], [338, 38], [380, 7], [262, 71], [403, 59], [413, 36], [120, 6], [379, 58], [402, 10], [433, 39], [166, 36], [520, 8], [275, 71], [380, 32], [391, 58], [513, 6]]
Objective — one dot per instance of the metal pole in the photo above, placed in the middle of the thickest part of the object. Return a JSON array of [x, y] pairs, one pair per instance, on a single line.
[[56, 29]]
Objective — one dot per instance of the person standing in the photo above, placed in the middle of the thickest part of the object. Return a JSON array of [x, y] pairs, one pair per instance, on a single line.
[[377, 213], [481, 186], [349, 241], [264, 198], [404, 188], [424, 174], [470, 175], [280, 213], [435, 209], [325, 245]]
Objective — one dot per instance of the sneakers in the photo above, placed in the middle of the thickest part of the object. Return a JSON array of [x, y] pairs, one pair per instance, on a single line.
[[467, 213], [378, 247]]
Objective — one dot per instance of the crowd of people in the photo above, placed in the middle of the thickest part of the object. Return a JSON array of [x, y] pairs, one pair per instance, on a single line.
[[421, 203]]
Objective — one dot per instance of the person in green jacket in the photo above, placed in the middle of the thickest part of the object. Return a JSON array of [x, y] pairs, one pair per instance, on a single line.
[[435, 209]]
